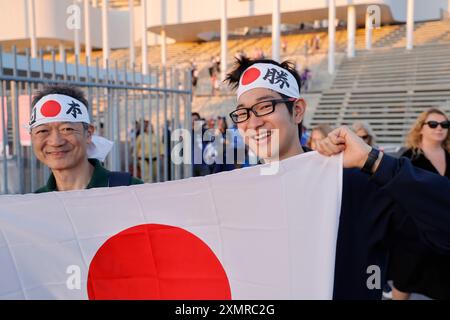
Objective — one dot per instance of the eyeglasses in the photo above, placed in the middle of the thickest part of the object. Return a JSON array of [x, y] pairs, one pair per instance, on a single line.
[[259, 109], [434, 124]]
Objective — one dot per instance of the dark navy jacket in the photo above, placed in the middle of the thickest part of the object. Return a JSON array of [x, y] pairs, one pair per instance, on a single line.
[[373, 207]]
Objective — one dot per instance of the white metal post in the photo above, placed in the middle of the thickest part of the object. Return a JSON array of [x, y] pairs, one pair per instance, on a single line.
[[223, 40], [410, 25], [351, 29], [32, 26], [144, 37], [276, 24], [131, 32], [368, 31], [331, 34], [163, 33], [105, 32], [87, 30]]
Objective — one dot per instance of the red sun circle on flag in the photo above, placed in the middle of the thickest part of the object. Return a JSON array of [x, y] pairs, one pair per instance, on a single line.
[[156, 262], [250, 76], [50, 108]]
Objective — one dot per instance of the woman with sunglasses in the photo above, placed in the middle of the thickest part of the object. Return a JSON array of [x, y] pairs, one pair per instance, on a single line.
[[363, 130], [412, 267]]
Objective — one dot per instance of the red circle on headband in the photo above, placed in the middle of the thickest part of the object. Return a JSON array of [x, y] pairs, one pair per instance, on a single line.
[[250, 76], [51, 108]]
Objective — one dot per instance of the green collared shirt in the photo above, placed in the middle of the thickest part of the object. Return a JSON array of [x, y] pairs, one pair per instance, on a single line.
[[99, 179]]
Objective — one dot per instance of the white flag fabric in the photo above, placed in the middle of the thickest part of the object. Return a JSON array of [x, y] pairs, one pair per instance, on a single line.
[[233, 235]]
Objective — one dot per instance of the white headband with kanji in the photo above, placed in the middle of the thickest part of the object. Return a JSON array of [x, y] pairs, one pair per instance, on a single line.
[[270, 76], [63, 108]]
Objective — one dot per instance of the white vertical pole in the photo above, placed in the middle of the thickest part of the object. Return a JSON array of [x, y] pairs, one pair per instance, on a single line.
[[276, 24], [32, 26], [87, 30], [62, 52], [223, 39], [76, 37], [410, 25], [331, 34], [368, 30], [144, 37], [131, 34], [351, 29], [163, 47], [105, 32], [163, 33]]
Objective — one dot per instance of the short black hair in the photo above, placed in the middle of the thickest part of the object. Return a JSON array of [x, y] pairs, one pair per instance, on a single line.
[[242, 63], [67, 90]]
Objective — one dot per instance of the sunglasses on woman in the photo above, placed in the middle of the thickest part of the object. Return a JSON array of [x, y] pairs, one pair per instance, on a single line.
[[434, 124]]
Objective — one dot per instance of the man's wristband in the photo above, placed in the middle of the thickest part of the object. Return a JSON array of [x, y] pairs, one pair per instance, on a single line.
[[370, 162]]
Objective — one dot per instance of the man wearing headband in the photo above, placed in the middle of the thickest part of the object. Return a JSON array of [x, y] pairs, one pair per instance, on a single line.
[[379, 192], [63, 139]]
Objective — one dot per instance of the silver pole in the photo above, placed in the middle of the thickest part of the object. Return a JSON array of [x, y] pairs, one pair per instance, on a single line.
[[116, 122], [150, 133], [89, 90], [141, 98], [33, 166], [126, 148], [4, 128], [46, 170], [171, 126], [133, 138], [16, 124], [158, 129], [189, 112], [97, 91], [166, 138], [177, 121]]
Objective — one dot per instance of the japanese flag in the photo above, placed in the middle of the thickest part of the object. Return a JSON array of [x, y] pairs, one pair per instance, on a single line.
[[234, 235]]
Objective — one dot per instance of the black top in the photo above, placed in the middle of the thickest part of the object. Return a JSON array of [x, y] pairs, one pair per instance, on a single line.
[[421, 161], [372, 206], [412, 267]]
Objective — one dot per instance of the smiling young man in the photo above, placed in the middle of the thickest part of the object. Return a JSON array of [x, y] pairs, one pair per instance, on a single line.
[[63, 139], [379, 192]]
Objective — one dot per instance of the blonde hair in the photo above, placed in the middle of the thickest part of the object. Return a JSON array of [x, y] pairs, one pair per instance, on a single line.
[[414, 137]]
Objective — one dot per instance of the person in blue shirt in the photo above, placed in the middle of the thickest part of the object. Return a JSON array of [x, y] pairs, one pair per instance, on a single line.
[[379, 191]]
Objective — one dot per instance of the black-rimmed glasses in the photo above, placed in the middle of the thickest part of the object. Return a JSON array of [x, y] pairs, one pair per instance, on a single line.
[[259, 109]]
